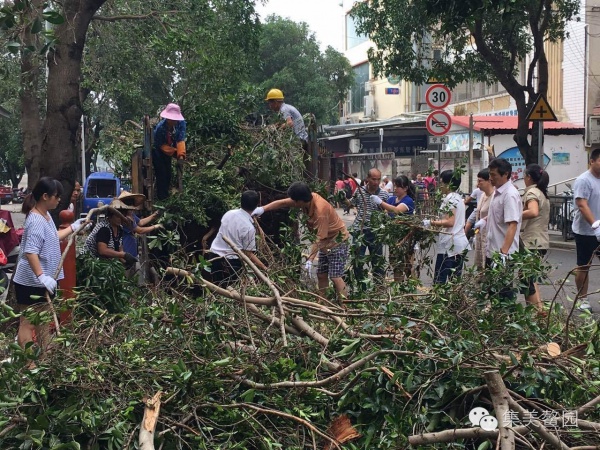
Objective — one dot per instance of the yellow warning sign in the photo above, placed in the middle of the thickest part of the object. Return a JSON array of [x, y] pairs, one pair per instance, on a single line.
[[541, 110]]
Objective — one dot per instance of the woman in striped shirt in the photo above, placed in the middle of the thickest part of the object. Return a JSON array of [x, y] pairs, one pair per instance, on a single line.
[[39, 257]]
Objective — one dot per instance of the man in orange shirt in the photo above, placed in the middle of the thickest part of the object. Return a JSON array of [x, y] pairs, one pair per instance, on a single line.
[[331, 245]]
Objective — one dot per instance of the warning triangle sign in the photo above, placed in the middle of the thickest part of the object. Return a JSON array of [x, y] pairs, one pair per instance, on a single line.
[[541, 110]]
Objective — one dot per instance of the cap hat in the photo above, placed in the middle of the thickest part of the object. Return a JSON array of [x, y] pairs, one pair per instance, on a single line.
[[172, 111], [135, 200]]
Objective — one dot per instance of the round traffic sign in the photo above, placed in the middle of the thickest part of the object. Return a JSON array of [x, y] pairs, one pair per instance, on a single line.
[[439, 123], [438, 96]]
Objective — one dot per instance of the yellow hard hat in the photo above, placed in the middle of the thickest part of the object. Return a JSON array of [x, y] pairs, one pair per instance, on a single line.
[[274, 94]]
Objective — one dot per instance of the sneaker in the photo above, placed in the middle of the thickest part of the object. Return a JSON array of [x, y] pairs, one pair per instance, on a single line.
[[584, 305]]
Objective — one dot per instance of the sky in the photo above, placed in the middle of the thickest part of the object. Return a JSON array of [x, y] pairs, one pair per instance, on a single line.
[[324, 17]]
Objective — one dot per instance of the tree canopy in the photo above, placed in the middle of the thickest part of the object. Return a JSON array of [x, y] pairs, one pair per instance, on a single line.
[[290, 59], [477, 40]]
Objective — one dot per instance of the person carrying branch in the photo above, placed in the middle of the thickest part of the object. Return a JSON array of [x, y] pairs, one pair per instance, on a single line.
[[238, 226], [169, 142], [332, 236], [39, 257]]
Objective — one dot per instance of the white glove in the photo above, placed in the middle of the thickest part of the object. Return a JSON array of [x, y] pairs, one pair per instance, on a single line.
[[597, 233], [504, 258], [75, 225], [48, 282], [481, 223], [308, 267], [596, 225], [427, 223], [376, 199], [259, 211]]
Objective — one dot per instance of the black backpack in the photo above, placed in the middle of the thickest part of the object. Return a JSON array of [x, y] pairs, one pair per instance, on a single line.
[[348, 190]]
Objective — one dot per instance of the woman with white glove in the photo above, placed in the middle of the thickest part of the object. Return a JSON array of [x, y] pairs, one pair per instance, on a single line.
[[39, 257], [478, 218]]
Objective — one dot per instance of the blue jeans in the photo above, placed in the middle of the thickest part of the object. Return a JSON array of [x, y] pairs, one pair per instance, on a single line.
[[368, 240], [447, 267]]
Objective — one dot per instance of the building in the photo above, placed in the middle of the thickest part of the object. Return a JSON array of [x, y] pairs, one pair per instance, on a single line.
[[387, 115]]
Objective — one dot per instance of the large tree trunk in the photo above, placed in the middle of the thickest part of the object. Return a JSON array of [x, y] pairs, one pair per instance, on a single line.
[[60, 146], [31, 122]]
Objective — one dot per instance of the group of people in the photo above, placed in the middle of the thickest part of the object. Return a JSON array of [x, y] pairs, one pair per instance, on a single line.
[[37, 272], [505, 222]]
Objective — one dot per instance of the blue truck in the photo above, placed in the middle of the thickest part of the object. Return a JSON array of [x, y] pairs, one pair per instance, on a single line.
[[100, 189]]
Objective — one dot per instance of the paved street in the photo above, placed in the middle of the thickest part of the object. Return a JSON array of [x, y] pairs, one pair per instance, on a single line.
[[562, 261]]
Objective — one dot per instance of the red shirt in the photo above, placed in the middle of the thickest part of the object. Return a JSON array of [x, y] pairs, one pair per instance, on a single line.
[[353, 185]]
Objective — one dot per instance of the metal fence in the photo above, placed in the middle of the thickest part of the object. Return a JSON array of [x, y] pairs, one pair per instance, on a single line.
[[561, 215]]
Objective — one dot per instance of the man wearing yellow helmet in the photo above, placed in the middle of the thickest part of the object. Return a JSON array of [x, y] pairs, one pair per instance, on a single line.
[[291, 115]]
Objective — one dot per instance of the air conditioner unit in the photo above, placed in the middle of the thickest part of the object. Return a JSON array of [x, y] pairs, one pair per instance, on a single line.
[[369, 87], [369, 109], [354, 146]]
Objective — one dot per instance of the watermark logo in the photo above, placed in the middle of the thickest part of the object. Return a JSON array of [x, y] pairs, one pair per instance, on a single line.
[[480, 417]]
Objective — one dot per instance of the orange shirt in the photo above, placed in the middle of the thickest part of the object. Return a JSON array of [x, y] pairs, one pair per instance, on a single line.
[[323, 219]]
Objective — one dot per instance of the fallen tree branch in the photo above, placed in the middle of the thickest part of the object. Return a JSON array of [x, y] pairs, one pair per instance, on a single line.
[[269, 283], [459, 433], [500, 397], [325, 381], [275, 412], [536, 426], [151, 412]]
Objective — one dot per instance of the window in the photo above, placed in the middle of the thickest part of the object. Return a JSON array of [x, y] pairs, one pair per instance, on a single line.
[[357, 92], [352, 37]]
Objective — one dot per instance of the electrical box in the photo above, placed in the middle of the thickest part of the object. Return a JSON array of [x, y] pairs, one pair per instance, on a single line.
[[369, 110], [593, 130]]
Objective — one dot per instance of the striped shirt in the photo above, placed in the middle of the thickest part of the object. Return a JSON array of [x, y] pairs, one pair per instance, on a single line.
[[365, 206], [103, 232], [40, 237]]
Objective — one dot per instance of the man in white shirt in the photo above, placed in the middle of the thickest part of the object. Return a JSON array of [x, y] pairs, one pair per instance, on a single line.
[[586, 223], [504, 217], [238, 226]]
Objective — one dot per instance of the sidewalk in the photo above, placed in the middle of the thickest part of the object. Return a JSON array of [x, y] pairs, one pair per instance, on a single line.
[[557, 241]]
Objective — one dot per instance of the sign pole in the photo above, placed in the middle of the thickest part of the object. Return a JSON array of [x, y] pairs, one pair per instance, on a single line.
[[381, 140], [541, 144], [471, 124]]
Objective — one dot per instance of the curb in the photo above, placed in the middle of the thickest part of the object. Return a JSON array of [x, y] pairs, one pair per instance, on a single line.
[[563, 245]]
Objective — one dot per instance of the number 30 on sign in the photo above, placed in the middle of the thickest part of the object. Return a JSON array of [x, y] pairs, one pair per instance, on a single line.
[[438, 96]]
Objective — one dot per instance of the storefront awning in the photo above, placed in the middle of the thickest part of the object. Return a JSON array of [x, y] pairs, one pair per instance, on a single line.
[[339, 136]]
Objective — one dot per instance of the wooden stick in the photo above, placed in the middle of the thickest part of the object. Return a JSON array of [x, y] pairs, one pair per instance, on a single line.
[[500, 398], [268, 281]]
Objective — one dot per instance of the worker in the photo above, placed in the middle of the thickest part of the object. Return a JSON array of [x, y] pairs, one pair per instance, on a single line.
[[291, 115], [169, 142]]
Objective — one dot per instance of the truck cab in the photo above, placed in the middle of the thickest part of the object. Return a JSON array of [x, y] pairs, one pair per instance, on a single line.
[[99, 189]]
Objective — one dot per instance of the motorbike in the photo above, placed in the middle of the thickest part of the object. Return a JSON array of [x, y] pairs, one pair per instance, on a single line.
[[18, 196]]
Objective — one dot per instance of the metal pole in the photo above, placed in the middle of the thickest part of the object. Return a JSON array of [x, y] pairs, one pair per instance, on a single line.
[[381, 140], [471, 123], [541, 144], [82, 149]]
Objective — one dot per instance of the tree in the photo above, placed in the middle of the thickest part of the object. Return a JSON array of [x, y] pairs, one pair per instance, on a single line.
[[479, 40], [290, 60], [12, 166], [186, 38]]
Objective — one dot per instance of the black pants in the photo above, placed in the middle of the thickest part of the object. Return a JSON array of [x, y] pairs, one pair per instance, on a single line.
[[162, 173], [369, 241], [225, 271]]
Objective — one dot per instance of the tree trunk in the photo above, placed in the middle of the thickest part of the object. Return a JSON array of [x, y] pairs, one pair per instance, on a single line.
[[60, 145], [31, 122]]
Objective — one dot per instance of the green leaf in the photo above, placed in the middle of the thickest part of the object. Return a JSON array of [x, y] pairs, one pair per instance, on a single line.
[[348, 349], [53, 17], [36, 26]]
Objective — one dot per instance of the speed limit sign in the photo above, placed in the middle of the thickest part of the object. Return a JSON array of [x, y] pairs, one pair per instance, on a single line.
[[438, 96]]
